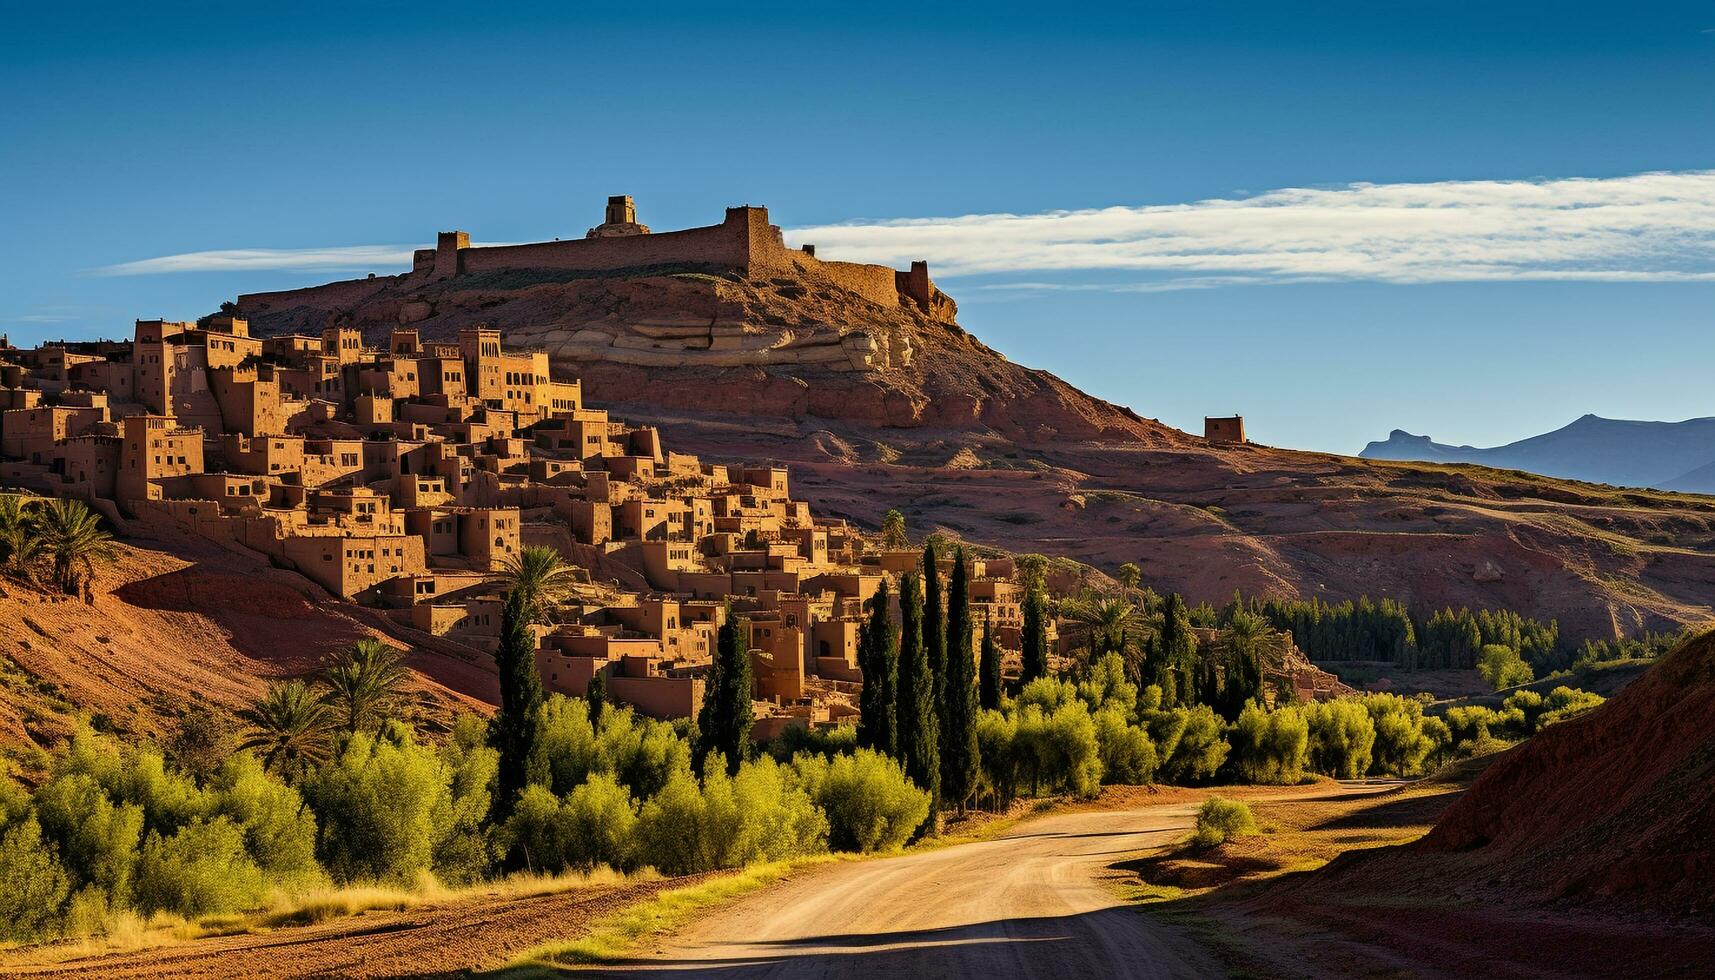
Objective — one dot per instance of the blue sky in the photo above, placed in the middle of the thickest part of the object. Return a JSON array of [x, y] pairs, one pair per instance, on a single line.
[[1452, 301]]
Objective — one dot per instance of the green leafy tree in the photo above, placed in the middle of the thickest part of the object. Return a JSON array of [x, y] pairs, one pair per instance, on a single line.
[[516, 728], [363, 684], [988, 669], [919, 737], [1502, 667], [959, 752], [878, 658], [290, 728]]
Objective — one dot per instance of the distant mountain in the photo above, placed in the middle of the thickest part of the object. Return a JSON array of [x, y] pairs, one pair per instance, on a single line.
[[1664, 455]]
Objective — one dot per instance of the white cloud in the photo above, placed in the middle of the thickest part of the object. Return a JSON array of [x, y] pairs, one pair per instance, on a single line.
[[1647, 227], [41, 318], [1650, 227], [336, 259]]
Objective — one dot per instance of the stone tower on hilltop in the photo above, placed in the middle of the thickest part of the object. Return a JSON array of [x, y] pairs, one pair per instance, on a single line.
[[621, 220]]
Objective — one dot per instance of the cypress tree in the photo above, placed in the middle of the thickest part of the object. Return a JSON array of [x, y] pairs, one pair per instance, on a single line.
[[725, 719], [596, 695], [934, 623], [1176, 667], [918, 732], [959, 759], [516, 729], [1035, 640], [878, 658], [989, 671]]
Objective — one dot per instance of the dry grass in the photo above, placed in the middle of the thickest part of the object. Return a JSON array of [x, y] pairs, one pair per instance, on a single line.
[[125, 932]]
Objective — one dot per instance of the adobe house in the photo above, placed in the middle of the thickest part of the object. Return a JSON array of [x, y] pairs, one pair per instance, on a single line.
[[1229, 429]]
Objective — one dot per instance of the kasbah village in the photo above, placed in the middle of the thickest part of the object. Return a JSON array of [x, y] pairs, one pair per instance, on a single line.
[[405, 479]]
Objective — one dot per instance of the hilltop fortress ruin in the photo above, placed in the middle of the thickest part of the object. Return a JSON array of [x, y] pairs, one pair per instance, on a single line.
[[724, 318], [688, 322]]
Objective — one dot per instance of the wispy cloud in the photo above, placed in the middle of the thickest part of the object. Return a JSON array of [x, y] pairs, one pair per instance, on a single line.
[[1646, 227], [335, 259], [40, 318], [1652, 227]]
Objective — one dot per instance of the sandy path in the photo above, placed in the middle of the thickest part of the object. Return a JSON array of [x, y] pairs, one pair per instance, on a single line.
[[1030, 903]]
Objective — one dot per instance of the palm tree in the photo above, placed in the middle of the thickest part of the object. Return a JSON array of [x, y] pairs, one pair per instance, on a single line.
[[73, 541], [290, 727], [1129, 575], [20, 538], [1101, 619], [542, 577], [363, 683], [893, 531]]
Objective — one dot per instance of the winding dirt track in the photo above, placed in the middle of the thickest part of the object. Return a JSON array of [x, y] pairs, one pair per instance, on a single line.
[[1031, 903]]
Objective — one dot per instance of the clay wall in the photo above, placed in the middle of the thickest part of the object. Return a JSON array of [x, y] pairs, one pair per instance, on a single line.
[[875, 283]]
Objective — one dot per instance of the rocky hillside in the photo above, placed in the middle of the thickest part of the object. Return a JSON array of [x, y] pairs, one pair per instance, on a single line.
[[882, 407], [1618, 802], [798, 348], [167, 629]]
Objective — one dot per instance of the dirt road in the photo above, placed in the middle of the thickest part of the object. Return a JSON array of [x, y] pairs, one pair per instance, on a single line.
[[1030, 903], [445, 940]]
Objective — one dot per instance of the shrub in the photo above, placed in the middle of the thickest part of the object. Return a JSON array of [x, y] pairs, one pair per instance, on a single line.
[[33, 884], [826, 741], [999, 773], [96, 839], [757, 815], [1127, 754], [534, 835], [600, 823], [381, 806], [202, 868], [1106, 687], [1342, 737], [465, 850], [1219, 821], [1502, 667], [670, 829], [279, 829], [1046, 693], [1058, 751], [1401, 745], [1270, 746], [1191, 742], [870, 805], [1564, 702]]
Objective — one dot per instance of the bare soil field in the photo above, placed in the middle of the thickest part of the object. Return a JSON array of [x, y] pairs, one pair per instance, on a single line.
[[435, 940]]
